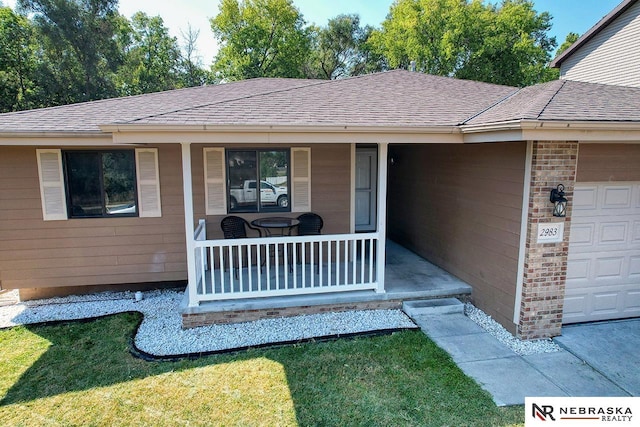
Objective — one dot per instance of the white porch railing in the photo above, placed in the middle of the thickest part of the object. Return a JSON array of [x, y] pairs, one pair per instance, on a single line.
[[277, 266]]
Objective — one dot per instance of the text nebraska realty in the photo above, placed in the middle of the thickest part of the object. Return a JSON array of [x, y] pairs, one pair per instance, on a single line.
[[606, 414], [610, 413]]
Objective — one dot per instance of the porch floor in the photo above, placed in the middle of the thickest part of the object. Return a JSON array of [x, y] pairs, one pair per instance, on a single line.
[[407, 276]]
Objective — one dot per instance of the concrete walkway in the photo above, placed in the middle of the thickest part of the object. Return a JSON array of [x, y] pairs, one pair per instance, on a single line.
[[595, 361]]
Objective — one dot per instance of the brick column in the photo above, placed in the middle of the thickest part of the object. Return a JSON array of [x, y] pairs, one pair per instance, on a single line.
[[545, 267]]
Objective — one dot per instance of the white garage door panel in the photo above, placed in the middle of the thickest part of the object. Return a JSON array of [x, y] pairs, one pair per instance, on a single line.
[[603, 271], [615, 303]]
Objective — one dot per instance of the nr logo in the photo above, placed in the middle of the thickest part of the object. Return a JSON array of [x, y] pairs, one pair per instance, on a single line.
[[543, 412]]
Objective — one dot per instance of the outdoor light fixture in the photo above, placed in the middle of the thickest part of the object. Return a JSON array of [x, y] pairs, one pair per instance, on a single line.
[[559, 201]]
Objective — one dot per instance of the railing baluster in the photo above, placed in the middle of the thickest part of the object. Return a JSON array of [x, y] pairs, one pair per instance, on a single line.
[[212, 269], [312, 275], [329, 263], [240, 267], [337, 262], [259, 266], [321, 246], [249, 268], [346, 262], [371, 248], [268, 262], [203, 277], [231, 272], [294, 264], [354, 264], [303, 264], [221, 255]]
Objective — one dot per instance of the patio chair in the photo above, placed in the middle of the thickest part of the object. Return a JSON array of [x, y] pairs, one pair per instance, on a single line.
[[235, 227], [310, 225]]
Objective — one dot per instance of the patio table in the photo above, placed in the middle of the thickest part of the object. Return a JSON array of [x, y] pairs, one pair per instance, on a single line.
[[276, 223]]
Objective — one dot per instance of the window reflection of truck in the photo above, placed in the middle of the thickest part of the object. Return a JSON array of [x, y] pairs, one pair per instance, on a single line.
[[245, 194]]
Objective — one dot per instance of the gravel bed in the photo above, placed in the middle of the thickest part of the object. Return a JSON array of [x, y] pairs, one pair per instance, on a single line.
[[161, 333], [523, 348]]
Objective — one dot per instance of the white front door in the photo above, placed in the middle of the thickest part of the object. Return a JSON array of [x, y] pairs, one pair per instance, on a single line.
[[366, 188], [603, 269]]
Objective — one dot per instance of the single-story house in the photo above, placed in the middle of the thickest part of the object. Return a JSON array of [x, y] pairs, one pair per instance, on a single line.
[[125, 192]]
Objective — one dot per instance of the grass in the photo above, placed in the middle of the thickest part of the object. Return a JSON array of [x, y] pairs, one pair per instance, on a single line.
[[81, 373]]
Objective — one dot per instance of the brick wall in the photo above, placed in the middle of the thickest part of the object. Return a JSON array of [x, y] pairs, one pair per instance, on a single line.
[[545, 268], [192, 320]]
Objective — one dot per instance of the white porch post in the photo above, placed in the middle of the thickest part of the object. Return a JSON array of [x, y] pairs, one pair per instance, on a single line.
[[187, 189], [383, 149]]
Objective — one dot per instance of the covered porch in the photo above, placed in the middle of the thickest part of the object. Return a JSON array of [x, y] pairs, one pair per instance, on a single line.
[[341, 260], [231, 280]]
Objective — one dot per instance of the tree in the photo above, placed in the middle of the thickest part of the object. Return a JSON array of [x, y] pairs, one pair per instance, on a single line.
[[337, 49], [259, 38], [514, 49], [504, 44], [17, 61], [568, 41], [192, 72], [79, 50], [151, 58]]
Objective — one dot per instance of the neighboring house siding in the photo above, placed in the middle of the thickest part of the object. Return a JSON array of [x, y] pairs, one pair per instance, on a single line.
[[611, 56], [608, 162], [88, 251], [460, 207], [330, 187]]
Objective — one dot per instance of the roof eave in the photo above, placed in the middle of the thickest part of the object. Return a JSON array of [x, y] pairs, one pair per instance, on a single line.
[[550, 130], [438, 129], [23, 138], [280, 134]]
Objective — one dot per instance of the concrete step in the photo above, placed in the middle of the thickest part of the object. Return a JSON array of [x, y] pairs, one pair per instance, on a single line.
[[432, 307]]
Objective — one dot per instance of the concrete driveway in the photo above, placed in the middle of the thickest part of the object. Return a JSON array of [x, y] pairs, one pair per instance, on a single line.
[[611, 348]]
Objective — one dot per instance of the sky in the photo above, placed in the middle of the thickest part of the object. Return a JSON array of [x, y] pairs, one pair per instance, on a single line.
[[568, 15]]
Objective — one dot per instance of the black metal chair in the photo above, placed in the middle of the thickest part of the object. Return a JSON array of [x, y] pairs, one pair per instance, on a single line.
[[235, 227], [310, 225]]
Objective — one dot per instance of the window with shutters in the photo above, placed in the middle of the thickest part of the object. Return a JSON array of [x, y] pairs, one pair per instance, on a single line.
[[100, 183], [258, 180]]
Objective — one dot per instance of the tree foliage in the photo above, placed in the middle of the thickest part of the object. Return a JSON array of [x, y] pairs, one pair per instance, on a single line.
[[568, 41], [17, 61], [338, 50], [79, 46], [151, 58], [192, 72], [260, 38], [504, 44], [56, 52]]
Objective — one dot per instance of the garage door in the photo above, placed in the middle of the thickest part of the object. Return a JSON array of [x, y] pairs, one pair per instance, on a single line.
[[603, 272]]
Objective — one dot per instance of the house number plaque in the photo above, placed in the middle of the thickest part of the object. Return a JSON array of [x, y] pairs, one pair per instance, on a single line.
[[550, 232]]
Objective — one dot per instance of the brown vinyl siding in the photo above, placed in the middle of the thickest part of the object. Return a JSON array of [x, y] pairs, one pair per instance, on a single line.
[[330, 187], [89, 251], [608, 162], [460, 207]]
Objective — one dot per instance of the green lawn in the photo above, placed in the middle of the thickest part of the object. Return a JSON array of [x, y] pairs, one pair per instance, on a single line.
[[81, 373]]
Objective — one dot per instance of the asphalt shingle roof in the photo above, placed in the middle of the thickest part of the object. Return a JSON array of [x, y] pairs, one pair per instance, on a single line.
[[87, 116], [566, 100], [395, 98], [391, 99]]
